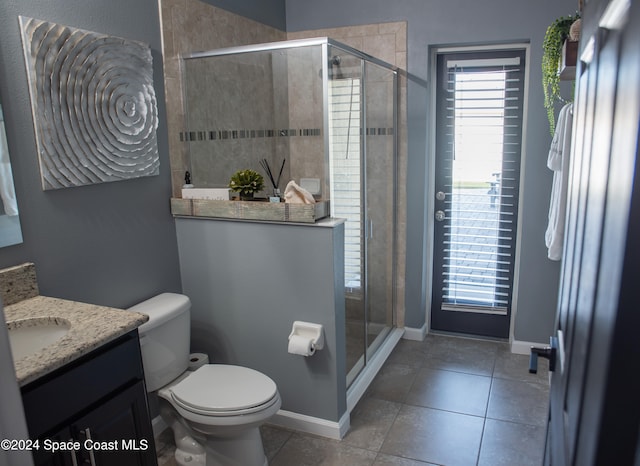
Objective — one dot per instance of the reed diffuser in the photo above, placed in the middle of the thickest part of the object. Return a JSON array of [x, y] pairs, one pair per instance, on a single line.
[[275, 182]]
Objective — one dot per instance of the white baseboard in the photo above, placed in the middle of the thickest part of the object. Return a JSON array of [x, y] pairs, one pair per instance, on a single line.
[[416, 334], [158, 425], [524, 347], [312, 425], [288, 420]]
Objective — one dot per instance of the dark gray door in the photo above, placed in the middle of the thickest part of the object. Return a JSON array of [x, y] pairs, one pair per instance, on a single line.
[[594, 400], [480, 99]]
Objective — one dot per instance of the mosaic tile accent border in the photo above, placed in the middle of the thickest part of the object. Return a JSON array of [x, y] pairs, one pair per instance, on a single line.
[[215, 135]]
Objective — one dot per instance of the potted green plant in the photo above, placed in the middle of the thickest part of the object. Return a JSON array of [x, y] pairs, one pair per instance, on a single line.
[[246, 183], [555, 36]]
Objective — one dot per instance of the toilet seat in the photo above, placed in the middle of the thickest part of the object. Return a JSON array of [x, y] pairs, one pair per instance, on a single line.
[[224, 390]]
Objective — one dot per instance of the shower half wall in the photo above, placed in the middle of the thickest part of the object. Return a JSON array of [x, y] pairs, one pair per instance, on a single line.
[[329, 113]]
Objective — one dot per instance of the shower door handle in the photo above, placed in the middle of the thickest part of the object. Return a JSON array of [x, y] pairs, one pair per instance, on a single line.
[[368, 229]]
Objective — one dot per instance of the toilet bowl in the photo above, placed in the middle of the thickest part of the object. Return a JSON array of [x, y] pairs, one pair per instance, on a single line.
[[215, 411]]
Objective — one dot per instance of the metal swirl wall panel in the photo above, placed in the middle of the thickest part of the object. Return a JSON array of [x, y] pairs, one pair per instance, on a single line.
[[94, 105]]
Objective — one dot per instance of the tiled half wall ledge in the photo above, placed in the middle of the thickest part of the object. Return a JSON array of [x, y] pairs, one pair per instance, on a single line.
[[250, 210]]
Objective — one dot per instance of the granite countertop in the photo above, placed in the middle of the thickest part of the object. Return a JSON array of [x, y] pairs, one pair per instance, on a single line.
[[91, 327]]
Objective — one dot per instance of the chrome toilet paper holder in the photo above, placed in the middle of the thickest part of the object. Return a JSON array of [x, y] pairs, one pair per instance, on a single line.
[[309, 330]]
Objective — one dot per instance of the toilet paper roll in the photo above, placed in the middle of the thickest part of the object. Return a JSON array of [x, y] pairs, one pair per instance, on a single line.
[[197, 360], [301, 345]]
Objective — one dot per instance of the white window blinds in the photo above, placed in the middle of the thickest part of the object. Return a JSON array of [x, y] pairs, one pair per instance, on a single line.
[[345, 136]]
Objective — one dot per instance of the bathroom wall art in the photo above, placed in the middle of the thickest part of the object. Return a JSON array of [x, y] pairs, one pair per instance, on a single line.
[[93, 102]]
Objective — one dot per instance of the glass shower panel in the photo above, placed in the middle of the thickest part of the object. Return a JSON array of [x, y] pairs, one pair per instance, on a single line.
[[346, 149], [380, 186]]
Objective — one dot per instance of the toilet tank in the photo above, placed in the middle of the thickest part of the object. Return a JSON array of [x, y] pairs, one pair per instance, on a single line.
[[164, 338]]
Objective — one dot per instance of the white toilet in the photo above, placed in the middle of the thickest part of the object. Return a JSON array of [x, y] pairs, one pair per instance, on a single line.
[[215, 411]]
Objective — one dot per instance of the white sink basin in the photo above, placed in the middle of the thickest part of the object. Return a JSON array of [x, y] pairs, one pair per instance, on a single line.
[[26, 336]]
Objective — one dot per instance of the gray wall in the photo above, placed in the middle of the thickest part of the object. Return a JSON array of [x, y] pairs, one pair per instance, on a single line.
[[248, 283], [438, 22], [111, 244]]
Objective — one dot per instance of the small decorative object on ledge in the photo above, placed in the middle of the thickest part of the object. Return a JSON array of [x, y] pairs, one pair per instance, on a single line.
[[274, 182], [294, 194], [93, 102], [246, 183], [575, 30]]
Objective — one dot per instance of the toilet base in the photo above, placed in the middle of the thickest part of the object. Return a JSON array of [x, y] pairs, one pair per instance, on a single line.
[[188, 459], [196, 448], [240, 450]]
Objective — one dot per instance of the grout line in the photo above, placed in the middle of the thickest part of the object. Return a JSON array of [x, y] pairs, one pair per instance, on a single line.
[[484, 425]]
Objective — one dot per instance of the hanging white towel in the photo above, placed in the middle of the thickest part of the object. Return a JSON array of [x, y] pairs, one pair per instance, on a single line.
[[558, 161], [7, 191]]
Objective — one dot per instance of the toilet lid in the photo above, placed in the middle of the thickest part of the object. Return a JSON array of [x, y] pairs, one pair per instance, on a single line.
[[215, 388]]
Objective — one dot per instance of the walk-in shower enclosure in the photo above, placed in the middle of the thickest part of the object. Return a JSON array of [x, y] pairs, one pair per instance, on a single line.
[[327, 112]]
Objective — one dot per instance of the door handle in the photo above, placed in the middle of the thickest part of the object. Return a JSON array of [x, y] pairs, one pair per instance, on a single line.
[[548, 352], [74, 458], [86, 433]]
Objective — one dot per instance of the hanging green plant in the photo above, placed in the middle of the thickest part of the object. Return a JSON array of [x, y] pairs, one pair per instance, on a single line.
[[555, 36]]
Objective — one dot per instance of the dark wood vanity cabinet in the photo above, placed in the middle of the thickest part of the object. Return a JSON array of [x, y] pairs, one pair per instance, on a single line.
[[94, 411]]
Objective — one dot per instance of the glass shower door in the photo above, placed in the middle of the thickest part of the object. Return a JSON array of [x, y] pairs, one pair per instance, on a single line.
[[380, 202], [346, 148], [362, 152]]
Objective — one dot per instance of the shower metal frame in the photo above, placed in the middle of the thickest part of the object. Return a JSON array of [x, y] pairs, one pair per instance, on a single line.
[[325, 43]]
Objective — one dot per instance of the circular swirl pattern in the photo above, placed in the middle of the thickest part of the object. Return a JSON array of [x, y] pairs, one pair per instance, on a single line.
[[94, 105]]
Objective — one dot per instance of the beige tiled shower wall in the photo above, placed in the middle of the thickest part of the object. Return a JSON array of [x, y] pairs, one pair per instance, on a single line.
[[191, 25]]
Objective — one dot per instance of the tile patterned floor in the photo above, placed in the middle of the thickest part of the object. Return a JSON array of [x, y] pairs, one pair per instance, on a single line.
[[445, 401]]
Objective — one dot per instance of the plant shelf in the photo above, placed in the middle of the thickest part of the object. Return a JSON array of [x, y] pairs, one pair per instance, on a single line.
[[567, 71]]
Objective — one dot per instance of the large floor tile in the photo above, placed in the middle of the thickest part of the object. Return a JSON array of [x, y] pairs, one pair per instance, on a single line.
[[370, 422], [516, 367], [434, 436], [408, 353], [273, 438], [392, 382], [303, 450], [461, 354], [450, 391], [515, 401], [509, 444]]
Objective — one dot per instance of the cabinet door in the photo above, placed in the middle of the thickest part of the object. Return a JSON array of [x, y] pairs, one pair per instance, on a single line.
[[45, 457], [118, 431]]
